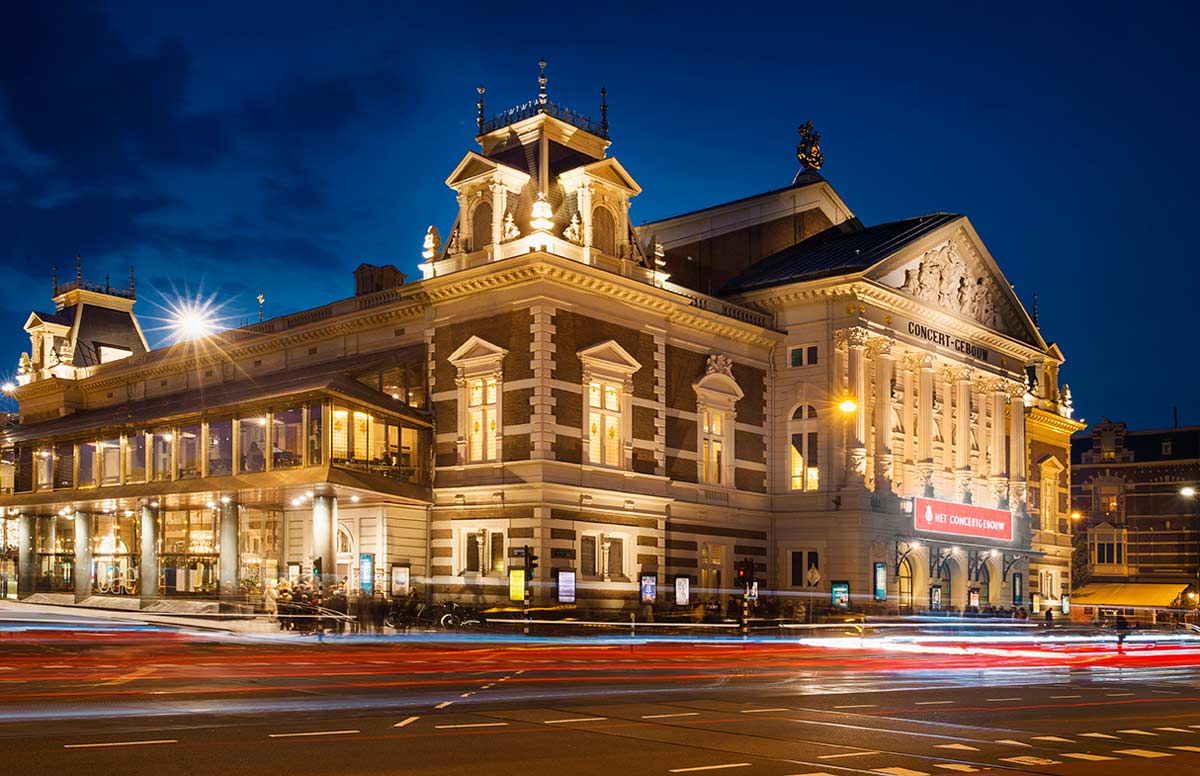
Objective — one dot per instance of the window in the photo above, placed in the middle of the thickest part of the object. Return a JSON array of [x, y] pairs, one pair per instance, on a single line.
[[64, 465], [497, 553], [1108, 547], [44, 465], [135, 458], [713, 447], [160, 455], [604, 231], [806, 565], [252, 443], [481, 226], [220, 447], [473, 552], [483, 552], [602, 556], [87, 464], [604, 423], [1167, 447], [108, 452], [315, 416], [803, 355], [587, 556], [804, 466], [287, 438], [189, 452], [481, 419]]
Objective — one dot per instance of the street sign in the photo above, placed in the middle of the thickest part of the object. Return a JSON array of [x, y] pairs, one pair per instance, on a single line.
[[649, 588], [814, 576], [841, 595], [682, 590], [366, 573], [516, 584], [566, 586], [752, 591]]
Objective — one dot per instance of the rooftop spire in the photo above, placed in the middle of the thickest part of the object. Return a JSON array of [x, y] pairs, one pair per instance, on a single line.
[[809, 149], [1035, 309], [542, 82], [54, 277], [479, 117], [131, 281], [604, 109], [79, 269]]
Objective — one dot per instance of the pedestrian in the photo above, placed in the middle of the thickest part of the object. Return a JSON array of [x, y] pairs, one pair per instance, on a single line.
[[271, 602], [379, 610], [1049, 618]]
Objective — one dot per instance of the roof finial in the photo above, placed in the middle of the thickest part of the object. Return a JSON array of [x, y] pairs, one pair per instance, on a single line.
[[79, 270], [54, 277], [131, 294], [809, 149], [542, 82], [604, 110], [1035, 309], [479, 117], [107, 283]]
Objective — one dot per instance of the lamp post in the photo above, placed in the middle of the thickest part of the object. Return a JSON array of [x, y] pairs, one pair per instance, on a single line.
[[1189, 493], [848, 407]]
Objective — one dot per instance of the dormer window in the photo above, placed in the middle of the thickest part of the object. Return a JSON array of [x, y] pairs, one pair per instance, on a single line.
[[604, 230]]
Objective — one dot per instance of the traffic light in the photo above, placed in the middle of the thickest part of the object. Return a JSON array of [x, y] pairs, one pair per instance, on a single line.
[[743, 576], [530, 562], [317, 568]]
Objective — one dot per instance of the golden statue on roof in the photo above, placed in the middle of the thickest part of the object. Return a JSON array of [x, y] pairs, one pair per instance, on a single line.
[[809, 149]]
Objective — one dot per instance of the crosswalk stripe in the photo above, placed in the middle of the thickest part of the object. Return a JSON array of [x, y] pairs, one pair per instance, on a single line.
[[960, 767], [1087, 756], [956, 746], [901, 772], [1011, 742], [1187, 748], [863, 753], [1056, 739], [722, 767], [1136, 732], [1026, 759], [1147, 753], [1174, 730]]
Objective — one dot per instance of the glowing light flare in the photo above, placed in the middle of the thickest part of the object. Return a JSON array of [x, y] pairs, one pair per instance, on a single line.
[[847, 406], [1187, 491]]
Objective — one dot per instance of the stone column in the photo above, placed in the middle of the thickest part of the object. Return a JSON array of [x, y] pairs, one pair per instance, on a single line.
[[324, 534], [26, 555], [584, 203], [1016, 450], [962, 436], [925, 425], [148, 561], [999, 481], [83, 556], [228, 544], [946, 405], [499, 210], [884, 460], [856, 341], [908, 421]]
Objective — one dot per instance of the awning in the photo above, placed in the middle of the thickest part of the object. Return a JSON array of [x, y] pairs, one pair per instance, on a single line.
[[1128, 594]]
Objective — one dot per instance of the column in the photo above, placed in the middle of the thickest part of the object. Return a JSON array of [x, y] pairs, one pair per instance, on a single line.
[[228, 548], [26, 555], [999, 467], [856, 340], [584, 203], [947, 409], [499, 210], [908, 421], [962, 437], [925, 425], [83, 556], [324, 534], [884, 460], [148, 563], [1016, 450]]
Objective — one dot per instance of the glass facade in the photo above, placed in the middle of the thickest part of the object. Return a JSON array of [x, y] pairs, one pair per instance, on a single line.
[[252, 442], [188, 557], [287, 438], [220, 447], [135, 458], [115, 553]]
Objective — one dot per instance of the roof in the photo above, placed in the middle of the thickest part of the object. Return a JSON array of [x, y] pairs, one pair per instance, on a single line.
[[802, 179], [1146, 445], [330, 378], [1128, 594], [64, 317], [836, 252]]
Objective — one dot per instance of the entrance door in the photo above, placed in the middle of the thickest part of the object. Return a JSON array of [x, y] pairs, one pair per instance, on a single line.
[[712, 566]]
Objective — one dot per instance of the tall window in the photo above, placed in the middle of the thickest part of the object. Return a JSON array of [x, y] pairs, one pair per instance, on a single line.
[[604, 231], [481, 226], [602, 556], [604, 423], [712, 447], [804, 466], [483, 552], [481, 419], [135, 457]]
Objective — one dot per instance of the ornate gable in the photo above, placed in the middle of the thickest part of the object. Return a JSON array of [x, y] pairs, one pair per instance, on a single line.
[[476, 355], [609, 357]]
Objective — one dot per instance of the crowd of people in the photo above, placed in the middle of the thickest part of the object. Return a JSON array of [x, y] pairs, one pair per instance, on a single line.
[[305, 608]]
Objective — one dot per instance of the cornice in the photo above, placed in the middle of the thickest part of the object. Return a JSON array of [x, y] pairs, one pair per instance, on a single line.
[[1052, 421]]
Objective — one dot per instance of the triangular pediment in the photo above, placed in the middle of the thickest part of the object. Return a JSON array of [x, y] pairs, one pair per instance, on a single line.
[[611, 355], [608, 171], [476, 350], [952, 269], [475, 166]]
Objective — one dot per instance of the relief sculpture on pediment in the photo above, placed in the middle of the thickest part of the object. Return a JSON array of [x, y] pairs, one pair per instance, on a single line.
[[941, 277]]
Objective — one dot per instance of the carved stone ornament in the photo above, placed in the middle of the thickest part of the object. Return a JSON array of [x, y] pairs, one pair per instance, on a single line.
[[25, 365], [719, 365], [809, 149], [941, 277], [857, 337], [574, 232], [511, 232], [452, 245]]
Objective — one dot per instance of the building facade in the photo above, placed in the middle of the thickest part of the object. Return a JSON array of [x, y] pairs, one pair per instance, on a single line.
[[865, 415], [1138, 532]]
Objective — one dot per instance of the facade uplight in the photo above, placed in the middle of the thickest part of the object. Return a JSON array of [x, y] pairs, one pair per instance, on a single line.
[[1187, 491], [848, 406], [542, 214]]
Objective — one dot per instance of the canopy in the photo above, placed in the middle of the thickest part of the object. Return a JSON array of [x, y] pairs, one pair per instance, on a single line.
[[1128, 594]]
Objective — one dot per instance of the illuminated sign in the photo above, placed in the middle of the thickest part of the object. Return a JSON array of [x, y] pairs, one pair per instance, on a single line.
[[1018, 590], [935, 597], [566, 586], [1066, 604], [400, 579], [947, 517], [880, 578], [649, 588], [366, 572], [516, 584], [948, 341], [841, 595], [682, 590]]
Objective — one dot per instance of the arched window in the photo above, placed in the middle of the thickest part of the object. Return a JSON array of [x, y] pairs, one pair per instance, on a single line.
[[345, 544], [904, 580], [804, 466], [481, 226], [604, 231]]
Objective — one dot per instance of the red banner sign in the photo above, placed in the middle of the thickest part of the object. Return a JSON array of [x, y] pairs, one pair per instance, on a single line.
[[947, 517]]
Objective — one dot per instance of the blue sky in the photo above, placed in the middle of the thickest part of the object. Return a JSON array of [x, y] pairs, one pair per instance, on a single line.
[[246, 148]]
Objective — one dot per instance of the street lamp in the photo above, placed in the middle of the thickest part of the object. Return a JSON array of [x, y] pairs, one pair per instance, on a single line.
[[847, 406], [1189, 493]]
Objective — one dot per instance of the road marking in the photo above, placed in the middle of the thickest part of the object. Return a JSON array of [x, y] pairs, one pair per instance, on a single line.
[[709, 768], [1011, 742], [668, 716], [1026, 759], [572, 719], [1136, 732], [1194, 726], [1175, 730], [1165, 692], [443, 704], [313, 733], [122, 743], [405, 722], [846, 754], [857, 706], [1119, 694], [1057, 739], [1059, 697], [1187, 748], [956, 746], [1147, 753], [960, 767], [1001, 700], [765, 711], [1087, 756], [466, 695], [815, 773], [933, 703], [472, 725], [901, 772], [1096, 735]]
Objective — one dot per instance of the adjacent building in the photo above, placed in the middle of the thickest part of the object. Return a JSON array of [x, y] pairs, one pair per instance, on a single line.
[[865, 414], [1135, 493]]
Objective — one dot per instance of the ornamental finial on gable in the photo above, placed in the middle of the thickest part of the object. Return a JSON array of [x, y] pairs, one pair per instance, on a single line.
[[719, 364], [809, 149]]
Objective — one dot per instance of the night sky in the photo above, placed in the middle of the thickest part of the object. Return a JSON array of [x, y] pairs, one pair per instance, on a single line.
[[232, 149]]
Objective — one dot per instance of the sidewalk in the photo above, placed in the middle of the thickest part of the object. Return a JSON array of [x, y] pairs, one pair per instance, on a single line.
[[226, 623]]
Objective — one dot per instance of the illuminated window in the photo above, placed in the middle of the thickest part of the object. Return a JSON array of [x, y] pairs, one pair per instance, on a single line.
[[712, 447], [604, 423], [481, 419], [44, 466], [482, 552], [803, 463], [602, 556]]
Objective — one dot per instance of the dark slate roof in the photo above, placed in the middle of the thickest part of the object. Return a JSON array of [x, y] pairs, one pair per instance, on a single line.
[[835, 252], [802, 179], [1147, 445], [103, 326], [65, 316]]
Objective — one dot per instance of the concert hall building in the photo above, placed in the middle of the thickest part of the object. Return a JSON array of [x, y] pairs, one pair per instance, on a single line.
[[864, 412]]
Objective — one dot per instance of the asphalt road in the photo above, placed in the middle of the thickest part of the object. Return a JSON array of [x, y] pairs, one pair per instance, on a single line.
[[90, 698]]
